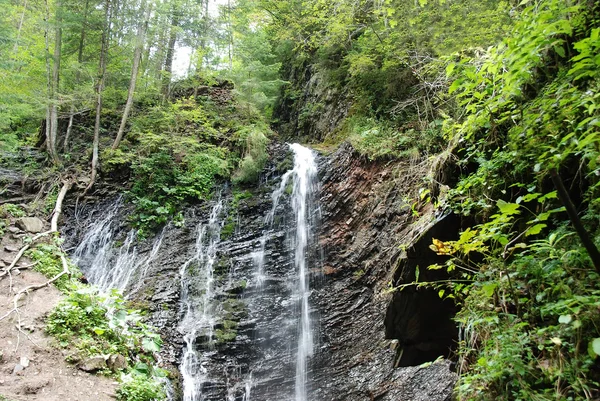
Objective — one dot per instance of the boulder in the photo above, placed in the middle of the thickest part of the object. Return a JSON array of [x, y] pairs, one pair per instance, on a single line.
[[93, 364], [116, 362], [30, 224], [11, 248]]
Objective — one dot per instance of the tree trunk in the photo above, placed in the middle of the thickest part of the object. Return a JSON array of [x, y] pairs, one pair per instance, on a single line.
[[167, 70], [50, 90], [230, 35], [563, 194], [69, 128], [139, 47], [82, 36], [99, 91], [56, 84], [19, 29]]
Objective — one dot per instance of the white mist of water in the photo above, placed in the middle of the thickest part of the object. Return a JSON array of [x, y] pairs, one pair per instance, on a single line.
[[108, 264], [197, 279], [305, 176], [259, 256]]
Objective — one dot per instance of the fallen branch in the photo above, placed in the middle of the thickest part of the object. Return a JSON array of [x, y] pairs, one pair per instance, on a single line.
[[58, 207], [53, 226], [22, 251], [19, 199]]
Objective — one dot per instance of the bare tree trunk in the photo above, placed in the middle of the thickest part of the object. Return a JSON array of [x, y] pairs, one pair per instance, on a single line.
[[20, 28], [56, 83], [82, 36], [50, 90], [99, 91], [69, 128], [58, 207], [139, 47], [230, 35], [167, 70]]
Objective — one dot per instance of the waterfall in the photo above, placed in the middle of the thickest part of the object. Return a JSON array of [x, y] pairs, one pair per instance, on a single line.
[[305, 176], [196, 296], [259, 256], [108, 263]]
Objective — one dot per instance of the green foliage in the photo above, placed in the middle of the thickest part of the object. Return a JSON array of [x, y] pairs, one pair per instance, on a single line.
[[103, 324], [138, 387], [47, 259], [381, 140], [9, 210], [255, 157], [98, 324]]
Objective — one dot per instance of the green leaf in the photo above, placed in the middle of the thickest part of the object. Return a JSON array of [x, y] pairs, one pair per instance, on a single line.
[[507, 208], [594, 347], [535, 229], [488, 289], [150, 345], [565, 319], [99, 331]]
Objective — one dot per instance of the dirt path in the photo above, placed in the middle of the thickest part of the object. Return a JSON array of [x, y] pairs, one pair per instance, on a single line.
[[30, 368]]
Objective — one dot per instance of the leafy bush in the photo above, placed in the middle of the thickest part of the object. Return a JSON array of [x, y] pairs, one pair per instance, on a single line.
[[139, 387], [11, 210], [255, 157], [101, 324], [382, 140]]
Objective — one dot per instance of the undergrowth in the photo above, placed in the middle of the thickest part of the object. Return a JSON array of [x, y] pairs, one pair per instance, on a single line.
[[96, 324], [176, 154], [527, 287]]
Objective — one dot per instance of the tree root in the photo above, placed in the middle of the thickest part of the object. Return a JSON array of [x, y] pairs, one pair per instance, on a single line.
[[34, 287], [26, 290]]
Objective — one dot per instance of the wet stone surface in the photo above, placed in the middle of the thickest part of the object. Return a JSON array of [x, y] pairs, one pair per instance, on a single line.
[[251, 348]]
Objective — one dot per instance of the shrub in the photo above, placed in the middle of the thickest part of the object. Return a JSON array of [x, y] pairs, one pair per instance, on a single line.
[[255, 158]]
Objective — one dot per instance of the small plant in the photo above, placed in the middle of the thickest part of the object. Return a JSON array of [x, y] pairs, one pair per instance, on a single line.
[[11, 210], [140, 387], [47, 258], [255, 158]]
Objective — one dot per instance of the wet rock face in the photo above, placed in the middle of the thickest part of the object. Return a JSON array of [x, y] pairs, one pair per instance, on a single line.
[[367, 222], [358, 325]]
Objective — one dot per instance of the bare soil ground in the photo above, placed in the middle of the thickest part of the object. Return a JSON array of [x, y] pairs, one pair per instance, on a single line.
[[31, 368]]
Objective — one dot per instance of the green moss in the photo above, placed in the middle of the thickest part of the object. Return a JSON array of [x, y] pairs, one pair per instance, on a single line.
[[224, 335], [228, 229]]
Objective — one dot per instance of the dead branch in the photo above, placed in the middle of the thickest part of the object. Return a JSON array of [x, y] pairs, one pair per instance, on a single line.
[[53, 227], [22, 251], [19, 199], [58, 207]]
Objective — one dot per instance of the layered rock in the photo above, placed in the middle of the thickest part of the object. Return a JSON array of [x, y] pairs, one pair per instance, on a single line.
[[362, 328]]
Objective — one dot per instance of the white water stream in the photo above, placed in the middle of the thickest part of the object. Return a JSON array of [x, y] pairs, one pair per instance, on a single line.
[[197, 277], [305, 176], [109, 264]]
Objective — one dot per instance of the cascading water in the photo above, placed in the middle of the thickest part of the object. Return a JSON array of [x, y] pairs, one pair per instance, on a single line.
[[244, 311], [259, 256], [305, 176], [109, 264], [196, 296]]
